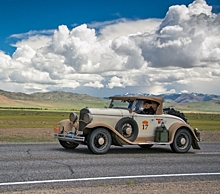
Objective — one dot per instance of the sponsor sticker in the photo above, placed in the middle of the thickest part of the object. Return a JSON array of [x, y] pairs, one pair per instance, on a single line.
[[159, 120], [144, 124]]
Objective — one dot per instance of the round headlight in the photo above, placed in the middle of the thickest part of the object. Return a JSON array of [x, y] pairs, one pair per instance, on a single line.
[[73, 117], [87, 118]]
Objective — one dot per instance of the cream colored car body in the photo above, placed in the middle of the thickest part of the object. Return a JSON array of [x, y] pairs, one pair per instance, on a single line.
[[140, 129]]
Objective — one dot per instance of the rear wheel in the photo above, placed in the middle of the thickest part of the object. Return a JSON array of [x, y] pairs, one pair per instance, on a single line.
[[182, 141], [68, 145], [99, 141]]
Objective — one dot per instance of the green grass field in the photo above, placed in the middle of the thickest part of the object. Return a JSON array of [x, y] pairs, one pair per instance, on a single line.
[[47, 119], [37, 125], [30, 118], [204, 121]]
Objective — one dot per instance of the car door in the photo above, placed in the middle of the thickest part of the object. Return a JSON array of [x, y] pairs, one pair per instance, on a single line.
[[146, 124]]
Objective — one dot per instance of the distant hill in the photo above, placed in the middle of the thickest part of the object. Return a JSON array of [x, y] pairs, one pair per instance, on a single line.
[[46, 96], [73, 101], [50, 100]]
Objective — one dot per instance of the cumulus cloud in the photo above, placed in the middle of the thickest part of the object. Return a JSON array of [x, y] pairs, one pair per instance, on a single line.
[[95, 84], [24, 53], [177, 53]]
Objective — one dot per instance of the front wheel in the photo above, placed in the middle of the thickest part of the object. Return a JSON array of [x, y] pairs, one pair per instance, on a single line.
[[182, 141], [99, 141], [68, 145]]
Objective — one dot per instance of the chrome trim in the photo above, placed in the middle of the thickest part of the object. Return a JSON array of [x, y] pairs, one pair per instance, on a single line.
[[82, 123], [73, 117], [87, 118], [69, 138]]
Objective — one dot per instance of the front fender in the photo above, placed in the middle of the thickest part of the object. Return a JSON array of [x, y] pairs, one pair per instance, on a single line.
[[68, 125], [120, 140]]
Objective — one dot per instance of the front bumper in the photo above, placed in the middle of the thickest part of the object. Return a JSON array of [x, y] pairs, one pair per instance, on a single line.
[[69, 137]]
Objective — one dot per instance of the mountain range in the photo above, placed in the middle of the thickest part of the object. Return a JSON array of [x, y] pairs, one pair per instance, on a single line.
[[71, 101], [178, 98], [188, 97]]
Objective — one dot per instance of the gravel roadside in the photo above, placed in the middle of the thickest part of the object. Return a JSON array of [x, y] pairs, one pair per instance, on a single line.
[[192, 187]]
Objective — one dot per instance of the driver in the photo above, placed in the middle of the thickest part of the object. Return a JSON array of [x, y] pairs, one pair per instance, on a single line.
[[147, 108]]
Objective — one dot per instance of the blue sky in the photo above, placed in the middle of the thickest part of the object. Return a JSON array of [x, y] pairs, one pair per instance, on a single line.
[[25, 24], [20, 16]]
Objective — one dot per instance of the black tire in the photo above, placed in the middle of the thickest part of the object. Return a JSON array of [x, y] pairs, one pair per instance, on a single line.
[[182, 141], [128, 128], [68, 145], [174, 112], [146, 146], [99, 141]]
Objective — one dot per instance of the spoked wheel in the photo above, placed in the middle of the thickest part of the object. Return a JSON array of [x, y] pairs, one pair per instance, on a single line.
[[128, 128], [146, 146], [182, 141], [68, 145], [99, 141]]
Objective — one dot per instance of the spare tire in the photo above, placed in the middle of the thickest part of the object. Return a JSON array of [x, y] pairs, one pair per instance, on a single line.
[[172, 111], [128, 128]]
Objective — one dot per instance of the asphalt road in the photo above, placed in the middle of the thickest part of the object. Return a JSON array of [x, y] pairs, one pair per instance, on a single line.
[[48, 165]]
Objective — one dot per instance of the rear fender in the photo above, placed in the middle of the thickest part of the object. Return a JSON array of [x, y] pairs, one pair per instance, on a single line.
[[174, 127]]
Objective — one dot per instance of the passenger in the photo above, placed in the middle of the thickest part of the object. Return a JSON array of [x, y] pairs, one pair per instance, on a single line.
[[147, 108]]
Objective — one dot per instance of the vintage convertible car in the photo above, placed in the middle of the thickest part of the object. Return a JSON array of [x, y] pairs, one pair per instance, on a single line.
[[125, 123]]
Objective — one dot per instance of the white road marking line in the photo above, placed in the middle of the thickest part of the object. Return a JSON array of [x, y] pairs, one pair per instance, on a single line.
[[209, 153], [108, 178]]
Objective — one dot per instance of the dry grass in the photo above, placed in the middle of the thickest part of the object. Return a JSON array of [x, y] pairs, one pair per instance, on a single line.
[[27, 135]]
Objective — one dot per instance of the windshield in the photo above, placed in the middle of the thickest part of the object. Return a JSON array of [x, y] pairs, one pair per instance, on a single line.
[[120, 104], [134, 105]]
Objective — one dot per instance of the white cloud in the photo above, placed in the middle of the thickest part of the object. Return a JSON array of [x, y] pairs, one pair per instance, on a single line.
[[171, 30], [125, 27], [32, 33], [172, 91], [115, 82], [95, 84], [35, 42], [215, 72], [24, 53], [184, 91], [177, 53], [198, 7]]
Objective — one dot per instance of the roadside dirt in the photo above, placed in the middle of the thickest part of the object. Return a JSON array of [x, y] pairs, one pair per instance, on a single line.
[[26, 134], [192, 187]]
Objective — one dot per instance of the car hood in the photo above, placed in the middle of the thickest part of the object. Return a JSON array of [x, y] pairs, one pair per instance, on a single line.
[[109, 111]]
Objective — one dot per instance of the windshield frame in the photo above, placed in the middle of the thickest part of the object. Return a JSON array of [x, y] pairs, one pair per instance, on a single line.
[[134, 105], [125, 104], [157, 100]]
